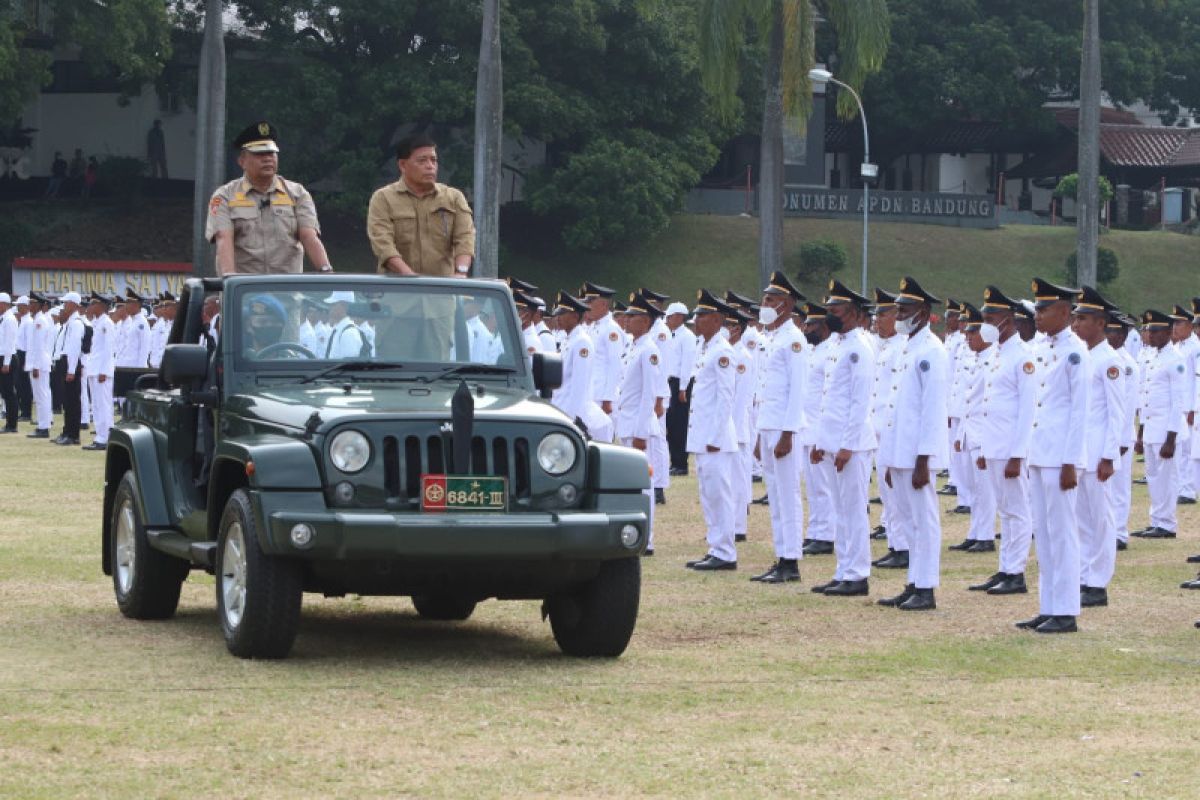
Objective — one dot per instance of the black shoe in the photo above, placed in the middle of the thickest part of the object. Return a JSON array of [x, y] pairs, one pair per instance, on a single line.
[[945, 473], [95, 446], [961, 510], [1030, 624], [1057, 624], [964, 545], [1192, 584], [996, 579], [880, 532], [649, 552], [786, 571], [660, 499], [894, 602], [39, 433], [1012, 584], [821, 588], [695, 561], [1140, 532], [756, 478], [982, 546], [83, 427], [24, 419], [762, 501], [949, 490], [1158, 533], [921, 600], [761, 576], [676, 472], [1185, 501], [739, 537], [816, 547], [876, 501], [8, 430], [849, 589], [714, 564], [1093, 596], [883, 557], [1194, 559], [61, 439], [1140, 481], [1122, 545], [896, 559]]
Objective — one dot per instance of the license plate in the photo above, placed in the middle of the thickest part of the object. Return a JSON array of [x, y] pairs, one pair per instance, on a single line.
[[463, 493]]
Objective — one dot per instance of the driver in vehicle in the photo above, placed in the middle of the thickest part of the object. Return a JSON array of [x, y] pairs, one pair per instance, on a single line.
[[265, 319]]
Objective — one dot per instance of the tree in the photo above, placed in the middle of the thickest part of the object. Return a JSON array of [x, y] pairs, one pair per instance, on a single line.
[[489, 123], [861, 28], [210, 133]]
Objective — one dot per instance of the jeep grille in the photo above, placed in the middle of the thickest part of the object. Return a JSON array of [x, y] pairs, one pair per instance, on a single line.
[[406, 459]]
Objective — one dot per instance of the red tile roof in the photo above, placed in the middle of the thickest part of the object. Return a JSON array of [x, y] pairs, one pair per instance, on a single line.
[[1145, 146]]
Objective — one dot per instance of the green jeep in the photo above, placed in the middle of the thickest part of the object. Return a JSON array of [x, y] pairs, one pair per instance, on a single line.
[[366, 435]]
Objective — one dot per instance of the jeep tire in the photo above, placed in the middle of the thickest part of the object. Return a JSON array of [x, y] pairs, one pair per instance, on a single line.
[[258, 596], [443, 606], [146, 581], [598, 618]]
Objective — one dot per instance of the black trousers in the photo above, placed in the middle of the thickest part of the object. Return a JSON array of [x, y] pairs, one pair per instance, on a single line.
[[72, 396], [8, 393], [57, 379], [677, 425], [23, 386]]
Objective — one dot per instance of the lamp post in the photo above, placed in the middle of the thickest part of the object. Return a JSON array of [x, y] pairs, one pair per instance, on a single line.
[[867, 171]]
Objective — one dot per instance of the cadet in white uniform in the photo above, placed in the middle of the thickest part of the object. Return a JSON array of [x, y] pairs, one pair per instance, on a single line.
[[745, 383], [1056, 455], [1188, 346], [712, 436], [981, 536], [135, 340], [1102, 446], [1120, 486], [607, 339], [574, 396], [818, 477], [962, 476], [67, 361], [891, 526], [40, 341], [780, 418], [8, 355], [100, 367], [345, 340], [845, 439], [914, 445], [1161, 411]]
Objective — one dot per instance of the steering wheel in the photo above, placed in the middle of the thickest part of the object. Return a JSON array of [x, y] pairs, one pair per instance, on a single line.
[[271, 349]]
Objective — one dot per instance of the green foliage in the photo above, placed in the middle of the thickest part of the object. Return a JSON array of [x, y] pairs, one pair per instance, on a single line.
[[1108, 268], [1069, 186], [121, 176], [819, 259], [16, 237]]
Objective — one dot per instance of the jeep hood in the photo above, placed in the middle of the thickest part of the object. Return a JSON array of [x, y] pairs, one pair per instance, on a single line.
[[293, 405]]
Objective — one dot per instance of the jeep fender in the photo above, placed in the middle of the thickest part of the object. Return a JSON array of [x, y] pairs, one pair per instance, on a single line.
[[280, 462], [131, 447], [617, 469]]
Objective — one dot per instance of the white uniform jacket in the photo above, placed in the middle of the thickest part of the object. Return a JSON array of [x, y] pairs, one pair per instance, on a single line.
[[1133, 390], [607, 336], [1163, 397], [710, 421], [69, 342], [8, 337], [782, 384], [746, 381], [918, 427], [882, 407], [574, 396], [633, 415], [102, 360], [845, 421], [1060, 414], [819, 360], [1009, 395], [1106, 406]]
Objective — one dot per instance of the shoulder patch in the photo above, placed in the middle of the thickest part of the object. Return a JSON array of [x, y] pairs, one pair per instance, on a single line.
[[662, 337], [214, 204], [654, 358], [531, 349], [1073, 358], [723, 362], [854, 358], [1179, 368], [796, 347], [741, 368], [612, 337], [924, 365], [1128, 371], [1113, 372], [583, 352], [1028, 367]]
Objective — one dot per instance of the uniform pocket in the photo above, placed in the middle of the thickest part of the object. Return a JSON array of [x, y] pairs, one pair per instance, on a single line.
[[405, 226], [285, 216]]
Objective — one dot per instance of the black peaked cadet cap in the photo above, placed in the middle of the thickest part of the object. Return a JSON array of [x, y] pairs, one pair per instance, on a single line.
[[133, 297], [971, 315], [592, 290], [911, 292], [707, 302], [565, 302], [779, 284], [1046, 293], [814, 312], [840, 293], [735, 299], [657, 297], [519, 285], [1153, 318], [1091, 301], [1195, 307], [953, 306], [996, 300], [651, 298], [258, 137], [524, 301], [641, 304], [1180, 314], [884, 299]]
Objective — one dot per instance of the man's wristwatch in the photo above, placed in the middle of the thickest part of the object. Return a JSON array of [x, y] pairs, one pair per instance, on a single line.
[[462, 269]]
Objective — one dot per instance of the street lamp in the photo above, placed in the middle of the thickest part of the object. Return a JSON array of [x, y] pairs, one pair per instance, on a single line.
[[867, 171]]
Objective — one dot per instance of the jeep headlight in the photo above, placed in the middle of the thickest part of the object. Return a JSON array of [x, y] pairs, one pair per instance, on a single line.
[[556, 453], [350, 451]]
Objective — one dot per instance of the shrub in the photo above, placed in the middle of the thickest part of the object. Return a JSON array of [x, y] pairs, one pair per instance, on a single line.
[[1069, 187], [1107, 268], [819, 259]]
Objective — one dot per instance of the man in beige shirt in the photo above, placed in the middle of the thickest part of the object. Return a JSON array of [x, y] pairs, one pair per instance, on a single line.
[[260, 222], [416, 225]]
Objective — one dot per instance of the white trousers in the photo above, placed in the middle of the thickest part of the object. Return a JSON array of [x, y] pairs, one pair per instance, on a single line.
[[102, 407], [852, 520], [961, 474], [660, 461], [818, 485], [1097, 533], [889, 516], [783, 485], [1057, 535], [713, 472], [983, 505], [740, 484], [41, 399], [628, 442], [925, 534], [1016, 522], [1120, 495], [1162, 479], [85, 400]]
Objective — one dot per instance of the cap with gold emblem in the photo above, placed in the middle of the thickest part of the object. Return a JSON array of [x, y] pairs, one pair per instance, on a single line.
[[1046, 293], [996, 300], [953, 307], [814, 312], [972, 317], [259, 137], [516, 284], [780, 284], [707, 303], [591, 291], [840, 294], [133, 297], [565, 302], [884, 299], [657, 297], [1091, 301], [523, 301], [652, 298], [643, 305], [1180, 314], [734, 299], [1153, 319], [912, 293]]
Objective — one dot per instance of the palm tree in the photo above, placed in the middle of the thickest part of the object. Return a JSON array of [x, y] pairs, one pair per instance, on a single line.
[[210, 133], [788, 26], [489, 119], [1087, 197]]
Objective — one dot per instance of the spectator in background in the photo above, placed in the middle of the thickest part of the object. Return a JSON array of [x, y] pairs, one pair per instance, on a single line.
[[75, 172], [58, 173], [156, 150], [90, 175]]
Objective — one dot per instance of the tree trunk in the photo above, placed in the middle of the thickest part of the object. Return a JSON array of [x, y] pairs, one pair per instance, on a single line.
[[489, 119], [1087, 200], [210, 134], [770, 174]]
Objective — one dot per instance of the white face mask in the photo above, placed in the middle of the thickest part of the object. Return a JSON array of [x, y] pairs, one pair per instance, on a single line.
[[989, 333], [767, 315], [724, 334], [905, 327]]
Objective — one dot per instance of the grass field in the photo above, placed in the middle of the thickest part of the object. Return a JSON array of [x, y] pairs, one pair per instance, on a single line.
[[728, 689]]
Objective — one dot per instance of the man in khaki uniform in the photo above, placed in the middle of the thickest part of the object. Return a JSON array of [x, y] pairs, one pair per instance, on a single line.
[[260, 222], [418, 226]]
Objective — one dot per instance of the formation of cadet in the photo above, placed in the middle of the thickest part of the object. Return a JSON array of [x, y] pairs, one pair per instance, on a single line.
[[61, 354]]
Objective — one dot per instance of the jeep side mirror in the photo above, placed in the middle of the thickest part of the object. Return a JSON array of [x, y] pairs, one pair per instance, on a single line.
[[547, 373], [184, 364]]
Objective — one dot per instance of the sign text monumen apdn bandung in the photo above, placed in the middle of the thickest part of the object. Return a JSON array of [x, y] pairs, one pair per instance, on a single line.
[[964, 210]]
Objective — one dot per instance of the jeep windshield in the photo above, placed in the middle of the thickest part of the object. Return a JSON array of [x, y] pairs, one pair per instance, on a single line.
[[331, 328]]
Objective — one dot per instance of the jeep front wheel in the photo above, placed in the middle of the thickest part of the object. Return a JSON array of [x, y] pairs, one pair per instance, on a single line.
[[443, 606], [258, 596], [598, 619], [146, 582]]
